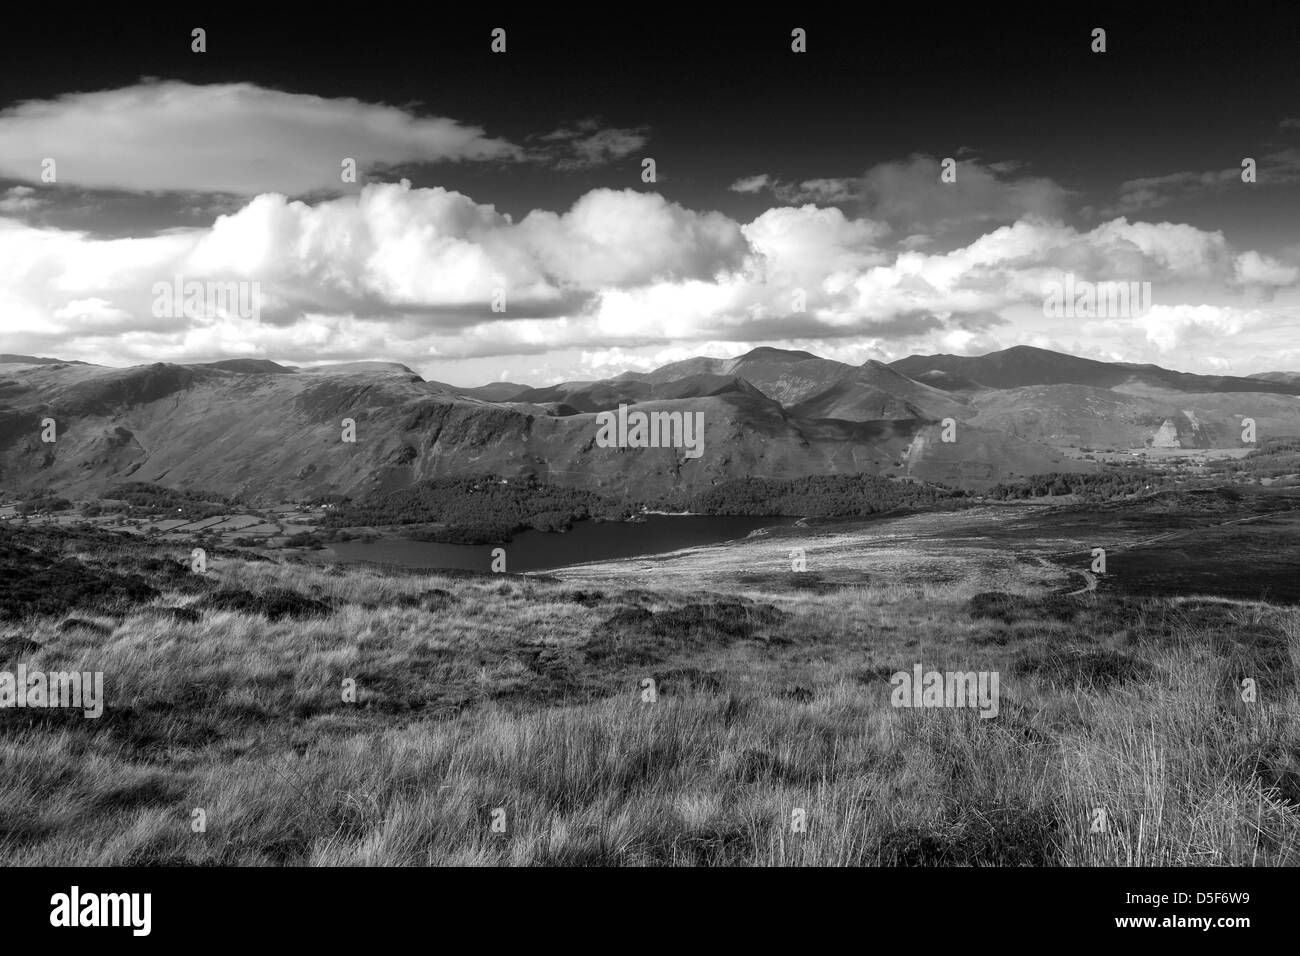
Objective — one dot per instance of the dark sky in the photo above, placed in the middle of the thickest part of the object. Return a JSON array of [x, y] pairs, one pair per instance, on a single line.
[[1181, 87]]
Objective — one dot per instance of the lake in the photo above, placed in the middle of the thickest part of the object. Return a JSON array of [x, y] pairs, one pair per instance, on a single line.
[[587, 541]]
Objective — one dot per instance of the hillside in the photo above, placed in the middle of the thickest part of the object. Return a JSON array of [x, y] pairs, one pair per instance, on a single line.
[[491, 392], [1286, 378], [279, 436], [1024, 365], [814, 387], [8, 358], [770, 685], [256, 428], [1077, 415]]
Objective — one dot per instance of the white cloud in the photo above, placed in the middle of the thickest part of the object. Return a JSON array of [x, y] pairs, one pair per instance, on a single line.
[[806, 244], [1170, 328], [388, 251], [751, 184], [623, 238], [239, 138], [90, 310], [1253, 269], [398, 272]]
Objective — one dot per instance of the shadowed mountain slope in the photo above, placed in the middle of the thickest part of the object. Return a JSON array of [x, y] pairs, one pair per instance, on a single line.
[[280, 436], [1025, 365]]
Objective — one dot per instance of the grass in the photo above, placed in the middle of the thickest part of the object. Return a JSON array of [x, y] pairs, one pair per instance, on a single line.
[[477, 694]]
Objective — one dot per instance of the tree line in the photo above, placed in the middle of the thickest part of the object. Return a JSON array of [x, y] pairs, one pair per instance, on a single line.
[[1110, 483], [824, 496], [482, 510]]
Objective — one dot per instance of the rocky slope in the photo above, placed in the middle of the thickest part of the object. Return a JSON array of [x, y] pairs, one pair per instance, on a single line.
[[271, 434], [267, 431]]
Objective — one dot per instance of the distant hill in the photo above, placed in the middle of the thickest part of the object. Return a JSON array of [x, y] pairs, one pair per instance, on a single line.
[[8, 358], [1066, 401], [1287, 378], [946, 381], [252, 367], [609, 394], [278, 436], [586, 396], [821, 388], [344, 368], [1025, 365], [255, 428], [1083, 416], [491, 392]]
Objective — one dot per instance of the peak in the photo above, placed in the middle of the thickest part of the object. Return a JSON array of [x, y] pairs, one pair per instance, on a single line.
[[768, 352], [348, 368], [250, 366], [7, 358], [1031, 350]]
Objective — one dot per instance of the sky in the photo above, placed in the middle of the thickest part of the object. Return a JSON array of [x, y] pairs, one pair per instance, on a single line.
[[502, 225]]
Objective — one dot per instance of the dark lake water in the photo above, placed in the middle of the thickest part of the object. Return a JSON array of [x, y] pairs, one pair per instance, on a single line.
[[587, 541]]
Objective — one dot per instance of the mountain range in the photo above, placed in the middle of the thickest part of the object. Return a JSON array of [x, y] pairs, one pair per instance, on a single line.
[[267, 431]]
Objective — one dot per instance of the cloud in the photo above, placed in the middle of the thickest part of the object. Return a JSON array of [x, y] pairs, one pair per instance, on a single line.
[[396, 271], [90, 310], [19, 199], [1151, 192], [1170, 328], [808, 243], [627, 238], [1255, 270], [390, 251], [586, 145], [160, 136], [909, 195], [825, 191], [751, 184]]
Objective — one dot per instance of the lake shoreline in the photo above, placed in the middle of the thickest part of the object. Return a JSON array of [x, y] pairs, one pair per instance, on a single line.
[[528, 551]]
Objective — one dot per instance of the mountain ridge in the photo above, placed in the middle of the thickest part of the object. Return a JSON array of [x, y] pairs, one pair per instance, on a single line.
[[1023, 365], [252, 426]]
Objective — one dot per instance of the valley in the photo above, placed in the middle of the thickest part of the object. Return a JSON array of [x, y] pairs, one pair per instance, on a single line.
[[634, 688]]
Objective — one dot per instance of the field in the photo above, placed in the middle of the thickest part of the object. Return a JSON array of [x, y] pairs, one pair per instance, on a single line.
[[507, 719]]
